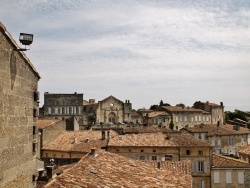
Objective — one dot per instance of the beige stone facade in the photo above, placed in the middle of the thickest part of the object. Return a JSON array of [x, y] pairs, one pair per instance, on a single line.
[[160, 147], [216, 111], [63, 106], [18, 111], [229, 172], [186, 116], [225, 139], [109, 110]]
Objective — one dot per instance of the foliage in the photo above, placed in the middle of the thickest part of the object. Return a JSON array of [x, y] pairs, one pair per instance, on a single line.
[[181, 105], [236, 114], [156, 106]]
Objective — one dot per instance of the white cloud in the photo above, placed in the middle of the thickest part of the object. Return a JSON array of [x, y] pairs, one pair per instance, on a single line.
[[145, 51]]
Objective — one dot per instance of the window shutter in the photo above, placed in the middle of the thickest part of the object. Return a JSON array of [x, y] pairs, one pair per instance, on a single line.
[[216, 177], [206, 166], [228, 177], [241, 177], [194, 166]]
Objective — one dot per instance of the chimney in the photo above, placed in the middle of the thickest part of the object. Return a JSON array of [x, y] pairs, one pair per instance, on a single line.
[[221, 103], [207, 102], [103, 135], [93, 152], [159, 165], [87, 140], [49, 170]]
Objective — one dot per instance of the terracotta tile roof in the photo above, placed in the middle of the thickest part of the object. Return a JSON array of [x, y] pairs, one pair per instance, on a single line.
[[223, 161], [244, 150], [158, 113], [112, 170], [43, 123], [135, 115], [141, 129], [212, 129], [78, 141], [157, 140], [180, 109]]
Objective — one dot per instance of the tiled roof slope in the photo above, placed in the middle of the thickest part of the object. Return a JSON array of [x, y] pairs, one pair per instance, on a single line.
[[244, 150], [158, 113], [223, 161], [112, 170], [78, 141], [213, 129], [185, 109], [156, 140], [141, 129], [43, 123]]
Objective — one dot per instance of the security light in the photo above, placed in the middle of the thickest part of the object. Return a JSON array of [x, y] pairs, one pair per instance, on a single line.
[[26, 39]]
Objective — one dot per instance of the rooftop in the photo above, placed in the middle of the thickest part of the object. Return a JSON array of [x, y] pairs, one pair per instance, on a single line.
[[244, 150], [212, 129], [183, 109], [223, 161], [157, 140], [43, 123], [79, 141], [158, 113], [92, 171]]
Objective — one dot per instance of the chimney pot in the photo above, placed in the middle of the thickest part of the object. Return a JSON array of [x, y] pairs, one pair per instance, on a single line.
[[93, 152]]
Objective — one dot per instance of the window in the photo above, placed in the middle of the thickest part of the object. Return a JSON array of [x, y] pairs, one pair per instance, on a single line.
[[70, 110], [200, 166], [154, 158], [154, 151], [218, 142], [200, 152], [195, 118], [217, 150], [63, 110], [203, 136], [213, 143], [142, 158], [216, 177], [231, 141], [188, 152], [49, 110], [228, 177], [196, 135], [241, 177], [56, 110], [201, 184], [142, 150]]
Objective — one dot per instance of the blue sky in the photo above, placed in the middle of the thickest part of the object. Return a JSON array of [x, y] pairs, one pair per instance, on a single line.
[[178, 51]]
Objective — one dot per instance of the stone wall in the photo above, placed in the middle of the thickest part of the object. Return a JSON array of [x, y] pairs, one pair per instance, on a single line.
[[18, 82]]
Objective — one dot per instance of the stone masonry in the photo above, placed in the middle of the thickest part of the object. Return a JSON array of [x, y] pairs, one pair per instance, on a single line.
[[18, 108]]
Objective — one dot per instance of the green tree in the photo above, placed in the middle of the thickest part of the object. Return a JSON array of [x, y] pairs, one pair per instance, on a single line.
[[154, 107], [181, 105]]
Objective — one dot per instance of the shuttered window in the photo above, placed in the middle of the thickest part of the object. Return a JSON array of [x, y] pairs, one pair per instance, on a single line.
[[228, 177], [216, 177], [241, 177]]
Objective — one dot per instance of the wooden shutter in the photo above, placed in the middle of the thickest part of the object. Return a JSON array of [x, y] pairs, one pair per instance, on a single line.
[[228, 177], [216, 177], [241, 177]]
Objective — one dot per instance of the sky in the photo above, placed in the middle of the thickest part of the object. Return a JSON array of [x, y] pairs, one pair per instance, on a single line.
[[145, 51]]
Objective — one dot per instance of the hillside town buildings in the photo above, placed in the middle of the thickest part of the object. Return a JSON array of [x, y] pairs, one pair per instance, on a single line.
[[19, 100]]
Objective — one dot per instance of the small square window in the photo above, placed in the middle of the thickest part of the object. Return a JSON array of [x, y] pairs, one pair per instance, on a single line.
[[154, 151], [188, 152], [142, 150], [200, 152], [154, 158]]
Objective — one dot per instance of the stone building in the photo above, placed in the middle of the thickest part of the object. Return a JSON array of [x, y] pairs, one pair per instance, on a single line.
[[48, 130], [225, 139], [63, 106], [160, 147], [229, 172], [18, 112], [244, 153], [104, 169], [216, 111], [109, 110], [186, 116]]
